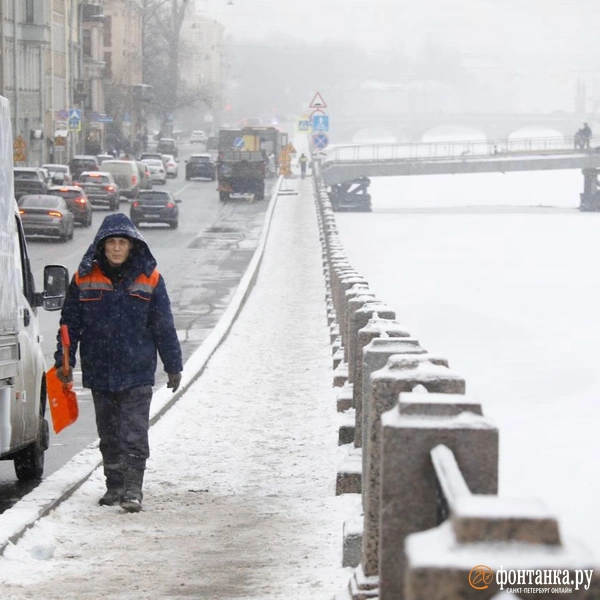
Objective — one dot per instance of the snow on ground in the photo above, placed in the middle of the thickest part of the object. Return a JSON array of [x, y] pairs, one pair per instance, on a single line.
[[240, 489]]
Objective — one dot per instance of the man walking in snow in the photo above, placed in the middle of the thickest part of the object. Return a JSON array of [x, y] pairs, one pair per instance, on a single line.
[[302, 163], [118, 313]]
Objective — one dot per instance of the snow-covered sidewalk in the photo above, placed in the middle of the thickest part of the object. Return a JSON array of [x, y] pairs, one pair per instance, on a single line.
[[240, 488]]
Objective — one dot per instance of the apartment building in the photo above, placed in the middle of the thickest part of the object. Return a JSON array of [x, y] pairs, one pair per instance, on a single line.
[[72, 71]]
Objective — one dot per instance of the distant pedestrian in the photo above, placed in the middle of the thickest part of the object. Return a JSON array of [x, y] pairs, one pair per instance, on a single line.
[[303, 162], [118, 313], [587, 135]]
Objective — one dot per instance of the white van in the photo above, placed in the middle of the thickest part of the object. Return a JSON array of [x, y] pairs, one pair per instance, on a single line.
[[23, 397], [126, 175]]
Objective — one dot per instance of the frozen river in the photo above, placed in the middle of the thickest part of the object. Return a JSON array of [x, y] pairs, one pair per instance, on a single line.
[[499, 273]]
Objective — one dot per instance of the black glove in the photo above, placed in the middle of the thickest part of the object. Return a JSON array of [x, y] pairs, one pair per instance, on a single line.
[[64, 377], [174, 381]]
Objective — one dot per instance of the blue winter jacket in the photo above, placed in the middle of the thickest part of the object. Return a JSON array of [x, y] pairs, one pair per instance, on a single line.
[[119, 323]]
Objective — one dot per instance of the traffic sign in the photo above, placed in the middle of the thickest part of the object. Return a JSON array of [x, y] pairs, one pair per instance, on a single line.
[[303, 126], [74, 119], [320, 123], [320, 141], [19, 149], [318, 102], [74, 124], [238, 143]]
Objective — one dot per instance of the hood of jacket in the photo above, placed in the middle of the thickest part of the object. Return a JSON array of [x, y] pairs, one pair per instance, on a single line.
[[119, 225]]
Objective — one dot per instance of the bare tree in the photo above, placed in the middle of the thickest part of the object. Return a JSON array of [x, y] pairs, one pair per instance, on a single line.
[[163, 20]]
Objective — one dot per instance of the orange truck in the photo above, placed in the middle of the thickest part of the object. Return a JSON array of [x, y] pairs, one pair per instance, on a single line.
[[241, 164]]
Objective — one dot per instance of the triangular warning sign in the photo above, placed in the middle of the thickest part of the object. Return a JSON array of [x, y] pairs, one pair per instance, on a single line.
[[318, 102]]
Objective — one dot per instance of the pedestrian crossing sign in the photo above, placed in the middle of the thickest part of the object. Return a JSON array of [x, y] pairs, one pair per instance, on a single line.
[[304, 125]]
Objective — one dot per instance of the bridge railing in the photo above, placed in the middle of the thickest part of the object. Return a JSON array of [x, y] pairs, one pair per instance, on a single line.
[[462, 149]]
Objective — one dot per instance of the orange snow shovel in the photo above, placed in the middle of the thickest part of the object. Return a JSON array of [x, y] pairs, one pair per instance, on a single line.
[[62, 398]]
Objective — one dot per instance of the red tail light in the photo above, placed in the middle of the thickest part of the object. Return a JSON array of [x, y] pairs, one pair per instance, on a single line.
[[55, 213], [21, 211], [109, 188], [135, 204], [169, 205], [81, 200], [134, 180]]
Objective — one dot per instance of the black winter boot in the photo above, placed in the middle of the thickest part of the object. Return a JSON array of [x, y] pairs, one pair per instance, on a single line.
[[132, 494], [114, 485]]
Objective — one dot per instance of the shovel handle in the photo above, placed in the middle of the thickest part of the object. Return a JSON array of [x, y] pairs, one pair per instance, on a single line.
[[66, 343]]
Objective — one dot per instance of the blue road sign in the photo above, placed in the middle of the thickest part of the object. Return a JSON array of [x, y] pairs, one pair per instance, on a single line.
[[320, 141], [303, 126], [75, 114], [238, 143], [320, 123]]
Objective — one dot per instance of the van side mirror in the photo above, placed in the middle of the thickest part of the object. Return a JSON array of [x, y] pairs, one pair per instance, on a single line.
[[56, 281]]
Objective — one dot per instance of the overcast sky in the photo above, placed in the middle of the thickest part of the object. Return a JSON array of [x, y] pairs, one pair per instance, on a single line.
[[535, 52], [562, 28]]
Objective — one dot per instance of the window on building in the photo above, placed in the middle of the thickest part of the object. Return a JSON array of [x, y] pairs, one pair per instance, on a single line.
[[108, 31], [28, 11], [108, 65], [87, 42]]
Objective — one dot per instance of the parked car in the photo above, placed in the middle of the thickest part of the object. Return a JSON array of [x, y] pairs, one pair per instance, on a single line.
[[47, 175], [198, 137], [59, 174], [83, 162], [155, 155], [102, 157], [126, 175], [145, 179], [76, 200], [167, 146], [158, 173], [200, 165], [100, 188], [155, 207], [29, 180], [171, 165], [43, 214]]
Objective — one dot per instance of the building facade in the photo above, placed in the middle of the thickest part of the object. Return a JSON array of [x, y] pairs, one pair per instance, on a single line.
[[72, 72], [201, 66]]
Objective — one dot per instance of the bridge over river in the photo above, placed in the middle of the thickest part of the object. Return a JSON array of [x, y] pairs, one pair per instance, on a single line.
[[345, 165]]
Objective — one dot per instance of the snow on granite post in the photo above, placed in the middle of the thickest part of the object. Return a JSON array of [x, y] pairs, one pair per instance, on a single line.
[[358, 316], [487, 540], [409, 432], [340, 272], [351, 287], [353, 303], [345, 396], [375, 328], [356, 305], [375, 356], [401, 374]]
